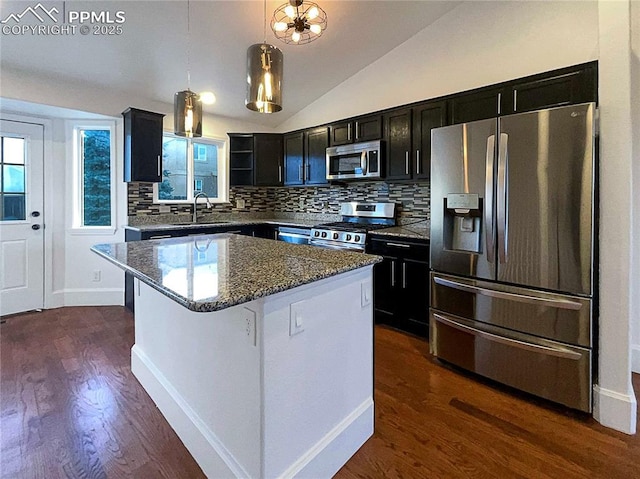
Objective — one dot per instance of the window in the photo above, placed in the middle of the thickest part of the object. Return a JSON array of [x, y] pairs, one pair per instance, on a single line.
[[12, 181], [190, 166], [94, 161]]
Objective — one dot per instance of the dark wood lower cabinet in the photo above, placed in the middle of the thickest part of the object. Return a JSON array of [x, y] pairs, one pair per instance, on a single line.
[[401, 284]]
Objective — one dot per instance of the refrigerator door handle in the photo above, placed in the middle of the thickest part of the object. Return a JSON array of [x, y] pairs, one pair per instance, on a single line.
[[489, 222], [521, 298], [552, 351], [502, 206]]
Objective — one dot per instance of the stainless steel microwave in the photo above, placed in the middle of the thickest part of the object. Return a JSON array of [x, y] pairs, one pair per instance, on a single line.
[[356, 161]]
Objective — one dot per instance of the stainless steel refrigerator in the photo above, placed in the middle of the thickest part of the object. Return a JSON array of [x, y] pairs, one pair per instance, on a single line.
[[512, 250]]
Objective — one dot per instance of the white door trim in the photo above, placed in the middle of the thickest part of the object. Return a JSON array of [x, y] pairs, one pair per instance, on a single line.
[[50, 300]]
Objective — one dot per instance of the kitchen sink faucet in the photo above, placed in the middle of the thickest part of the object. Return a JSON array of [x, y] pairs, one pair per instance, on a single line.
[[194, 218]]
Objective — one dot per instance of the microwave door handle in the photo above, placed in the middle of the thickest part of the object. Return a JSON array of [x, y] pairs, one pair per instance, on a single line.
[[364, 162]]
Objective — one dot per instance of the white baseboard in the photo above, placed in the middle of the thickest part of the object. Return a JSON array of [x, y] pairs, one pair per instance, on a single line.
[[93, 297], [615, 410], [329, 454], [202, 443], [635, 358]]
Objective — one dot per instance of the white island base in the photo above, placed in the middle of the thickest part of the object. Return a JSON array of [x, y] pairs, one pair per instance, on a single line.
[[281, 386]]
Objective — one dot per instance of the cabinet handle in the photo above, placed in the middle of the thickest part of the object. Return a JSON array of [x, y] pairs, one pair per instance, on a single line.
[[499, 101], [406, 162], [308, 172], [417, 162], [279, 173], [404, 275], [159, 172], [300, 173], [349, 132], [159, 236], [393, 273], [399, 245], [515, 100], [357, 131]]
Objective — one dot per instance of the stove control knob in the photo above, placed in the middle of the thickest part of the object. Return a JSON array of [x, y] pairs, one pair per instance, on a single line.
[[317, 233], [324, 234], [335, 235], [348, 237], [357, 240]]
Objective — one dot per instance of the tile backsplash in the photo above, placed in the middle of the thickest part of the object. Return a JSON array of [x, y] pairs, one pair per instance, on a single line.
[[412, 199]]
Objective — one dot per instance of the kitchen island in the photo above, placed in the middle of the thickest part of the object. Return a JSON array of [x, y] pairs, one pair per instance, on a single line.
[[258, 353]]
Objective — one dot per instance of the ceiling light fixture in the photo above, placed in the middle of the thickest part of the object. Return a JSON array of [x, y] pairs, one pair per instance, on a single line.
[[187, 107], [264, 75], [296, 23]]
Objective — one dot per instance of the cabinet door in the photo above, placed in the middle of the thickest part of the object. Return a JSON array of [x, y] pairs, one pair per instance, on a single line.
[[341, 133], [398, 133], [293, 158], [142, 146], [268, 155], [368, 128], [477, 105], [240, 159], [414, 278], [566, 88], [425, 118], [384, 286], [316, 143]]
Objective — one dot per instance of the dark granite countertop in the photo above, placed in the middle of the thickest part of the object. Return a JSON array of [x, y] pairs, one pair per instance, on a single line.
[[420, 230], [212, 272], [307, 223]]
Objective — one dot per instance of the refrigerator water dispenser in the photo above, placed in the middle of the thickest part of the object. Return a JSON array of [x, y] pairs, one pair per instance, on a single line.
[[462, 222]]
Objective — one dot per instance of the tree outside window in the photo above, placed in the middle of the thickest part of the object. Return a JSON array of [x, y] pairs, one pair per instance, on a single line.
[[96, 177]]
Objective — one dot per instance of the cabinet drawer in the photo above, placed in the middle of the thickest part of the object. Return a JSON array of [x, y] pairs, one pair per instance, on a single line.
[[400, 248], [545, 368]]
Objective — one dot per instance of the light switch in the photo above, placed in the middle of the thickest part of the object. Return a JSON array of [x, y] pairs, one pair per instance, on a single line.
[[365, 294], [296, 319]]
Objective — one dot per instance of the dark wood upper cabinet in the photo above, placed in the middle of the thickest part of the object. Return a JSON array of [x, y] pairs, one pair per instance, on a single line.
[[305, 157], [364, 128], [293, 158], [267, 159], [477, 105], [142, 145], [255, 159], [426, 117], [397, 125], [315, 158], [566, 87]]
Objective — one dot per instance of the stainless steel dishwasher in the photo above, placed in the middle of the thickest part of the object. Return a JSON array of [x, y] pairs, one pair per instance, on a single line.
[[292, 234]]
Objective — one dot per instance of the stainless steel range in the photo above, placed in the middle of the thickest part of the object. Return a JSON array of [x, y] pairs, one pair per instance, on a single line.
[[357, 219]]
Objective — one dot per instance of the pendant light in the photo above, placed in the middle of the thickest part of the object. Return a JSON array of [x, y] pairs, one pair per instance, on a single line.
[[187, 107], [264, 75], [299, 22]]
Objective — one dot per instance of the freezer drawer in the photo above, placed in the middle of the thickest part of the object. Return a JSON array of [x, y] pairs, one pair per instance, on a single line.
[[547, 315], [544, 368]]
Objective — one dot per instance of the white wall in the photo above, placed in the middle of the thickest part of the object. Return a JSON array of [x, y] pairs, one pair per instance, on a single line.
[[635, 119], [476, 44]]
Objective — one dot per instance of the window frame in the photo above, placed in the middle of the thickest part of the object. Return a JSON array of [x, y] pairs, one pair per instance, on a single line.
[[76, 127], [223, 181]]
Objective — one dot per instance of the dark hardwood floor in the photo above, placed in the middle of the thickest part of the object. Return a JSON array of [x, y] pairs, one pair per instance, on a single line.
[[70, 408]]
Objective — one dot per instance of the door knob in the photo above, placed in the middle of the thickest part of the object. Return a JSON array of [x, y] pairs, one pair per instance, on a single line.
[[35, 214], [35, 227]]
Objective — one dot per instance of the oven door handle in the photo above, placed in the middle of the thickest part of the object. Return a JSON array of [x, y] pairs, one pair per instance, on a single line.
[[293, 235], [330, 245]]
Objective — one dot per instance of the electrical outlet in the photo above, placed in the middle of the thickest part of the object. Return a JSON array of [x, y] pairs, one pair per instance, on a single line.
[[296, 319], [240, 203], [301, 203], [97, 276], [164, 209]]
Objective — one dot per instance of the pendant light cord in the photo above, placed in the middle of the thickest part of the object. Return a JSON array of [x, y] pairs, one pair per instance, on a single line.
[[188, 45], [265, 22]]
